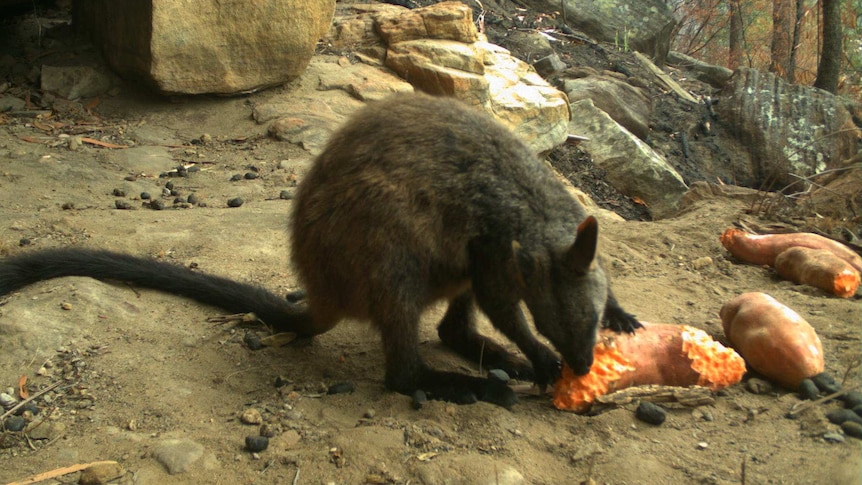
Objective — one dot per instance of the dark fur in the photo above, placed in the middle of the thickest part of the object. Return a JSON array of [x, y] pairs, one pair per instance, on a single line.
[[414, 200]]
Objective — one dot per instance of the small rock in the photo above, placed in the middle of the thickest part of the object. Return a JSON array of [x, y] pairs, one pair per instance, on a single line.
[[852, 399], [252, 341], [857, 409], [100, 474], [341, 388], [122, 205], [24, 241], [66, 305], [833, 438], [702, 445], [67, 206], [251, 416], [46, 430], [295, 296], [206, 138], [369, 414], [236, 177], [177, 456], [808, 390], [251, 175], [419, 399], [75, 142], [119, 193], [7, 400], [156, 205], [285, 195], [841, 416], [826, 383], [235, 202], [549, 65], [146, 196], [30, 407], [701, 263], [650, 413], [269, 430], [14, 423], [192, 199], [852, 428], [256, 444], [498, 374]]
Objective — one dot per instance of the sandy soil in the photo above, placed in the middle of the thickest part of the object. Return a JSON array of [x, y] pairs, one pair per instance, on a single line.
[[140, 367]]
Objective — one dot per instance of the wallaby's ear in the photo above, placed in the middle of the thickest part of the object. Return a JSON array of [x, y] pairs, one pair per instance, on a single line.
[[523, 264], [582, 253]]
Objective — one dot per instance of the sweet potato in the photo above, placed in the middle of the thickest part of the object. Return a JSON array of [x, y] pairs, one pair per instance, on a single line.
[[819, 268], [672, 355], [763, 249], [773, 339]]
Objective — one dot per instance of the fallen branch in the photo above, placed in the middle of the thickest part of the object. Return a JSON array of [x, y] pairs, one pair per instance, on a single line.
[[93, 141], [60, 472]]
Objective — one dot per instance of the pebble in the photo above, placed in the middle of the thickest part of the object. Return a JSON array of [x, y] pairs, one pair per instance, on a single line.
[[419, 399], [498, 374], [119, 193], [46, 430], [252, 341], [702, 445], [30, 406], [67, 206], [369, 414], [256, 444], [24, 241], [251, 175], [101, 473], [146, 196], [7, 401], [269, 430], [14, 423], [341, 388], [833, 438], [169, 185], [858, 409], [235, 202], [758, 386], [808, 390], [206, 138], [841, 416], [852, 428], [826, 383], [701, 263], [192, 199], [177, 456], [251, 416], [235, 177], [852, 399], [122, 205], [650, 413], [285, 195], [157, 205]]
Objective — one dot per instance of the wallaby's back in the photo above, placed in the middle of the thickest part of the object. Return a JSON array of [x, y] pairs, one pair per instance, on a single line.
[[400, 193]]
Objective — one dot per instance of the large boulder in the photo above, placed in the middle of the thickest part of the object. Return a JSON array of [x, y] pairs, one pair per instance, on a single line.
[[633, 168], [790, 130], [192, 47], [643, 25], [626, 104]]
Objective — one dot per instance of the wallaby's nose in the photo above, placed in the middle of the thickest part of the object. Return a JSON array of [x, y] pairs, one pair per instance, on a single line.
[[581, 366]]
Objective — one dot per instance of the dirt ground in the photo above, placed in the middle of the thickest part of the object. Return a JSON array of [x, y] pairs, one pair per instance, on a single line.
[[138, 368]]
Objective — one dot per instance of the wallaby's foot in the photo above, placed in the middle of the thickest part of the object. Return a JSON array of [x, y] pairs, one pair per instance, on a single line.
[[480, 349], [295, 296], [454, 387], [463, 389]]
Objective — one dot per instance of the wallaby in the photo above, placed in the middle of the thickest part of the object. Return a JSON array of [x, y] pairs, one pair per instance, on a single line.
[[415, 199]]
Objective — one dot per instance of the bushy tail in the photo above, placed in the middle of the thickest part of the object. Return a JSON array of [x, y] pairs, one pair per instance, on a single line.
[[21, 270]]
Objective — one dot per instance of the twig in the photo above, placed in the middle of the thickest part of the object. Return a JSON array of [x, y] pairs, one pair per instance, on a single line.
[[296, 477], [807, 405], [34, 396], [60, 472]]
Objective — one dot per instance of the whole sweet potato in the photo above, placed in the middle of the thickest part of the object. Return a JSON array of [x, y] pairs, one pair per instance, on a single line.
[[763, 249], [773, 339]]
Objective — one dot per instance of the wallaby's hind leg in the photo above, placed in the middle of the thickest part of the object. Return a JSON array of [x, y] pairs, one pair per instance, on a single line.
[[406, 372], [457, 330]]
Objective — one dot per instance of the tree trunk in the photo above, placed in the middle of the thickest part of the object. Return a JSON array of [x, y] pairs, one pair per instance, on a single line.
[[736, 38], [830, 55], [782, 37], [794, 48]]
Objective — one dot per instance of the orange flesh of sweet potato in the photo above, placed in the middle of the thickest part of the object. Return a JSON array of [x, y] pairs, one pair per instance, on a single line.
[[672, 355], [819, 268], [773, 339], [763, 249]]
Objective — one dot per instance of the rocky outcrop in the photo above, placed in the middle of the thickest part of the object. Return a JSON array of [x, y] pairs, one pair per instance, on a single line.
[[790, 130], [715, 76], [641, 25], [190, 47], [626, 104], [438, 50], [633, 168]]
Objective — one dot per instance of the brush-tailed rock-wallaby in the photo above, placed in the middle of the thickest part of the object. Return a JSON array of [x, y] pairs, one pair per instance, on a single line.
[[415, 199]]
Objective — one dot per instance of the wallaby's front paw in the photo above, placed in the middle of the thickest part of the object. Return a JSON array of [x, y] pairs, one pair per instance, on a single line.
[[620, 321], [546, 369]]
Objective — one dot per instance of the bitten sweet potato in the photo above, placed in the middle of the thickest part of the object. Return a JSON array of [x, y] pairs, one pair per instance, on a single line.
[[763, 249], [819, 268], [672, 355], [773, 339]]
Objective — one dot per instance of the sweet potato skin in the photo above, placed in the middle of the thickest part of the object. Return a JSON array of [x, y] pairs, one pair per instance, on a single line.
[[819, 268], [763, 249], [773, 339]]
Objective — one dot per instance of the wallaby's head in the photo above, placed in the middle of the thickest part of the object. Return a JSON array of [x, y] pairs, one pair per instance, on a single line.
[[566, 292]]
